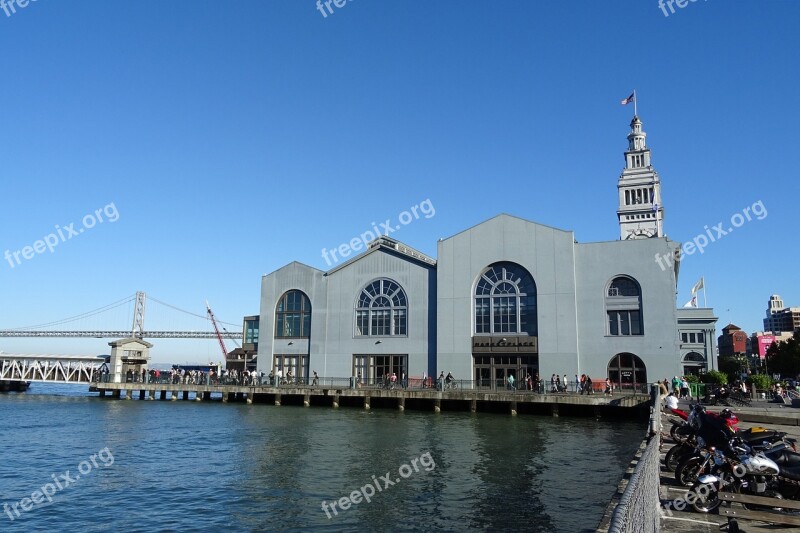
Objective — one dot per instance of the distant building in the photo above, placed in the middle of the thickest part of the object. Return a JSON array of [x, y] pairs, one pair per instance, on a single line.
[[733, 341], [247, 354], [779, 318], [696, 329], [760, 341]]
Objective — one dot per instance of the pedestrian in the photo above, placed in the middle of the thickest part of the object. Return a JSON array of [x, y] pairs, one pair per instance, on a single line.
[[608, 386], [685, 389], [564, 380], [589, 385], [577, 384]]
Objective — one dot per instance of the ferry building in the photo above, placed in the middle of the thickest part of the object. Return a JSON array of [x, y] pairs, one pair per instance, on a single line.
[[505, 297]]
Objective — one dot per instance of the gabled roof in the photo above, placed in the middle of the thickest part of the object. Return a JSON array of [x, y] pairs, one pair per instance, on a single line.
[[128, 340], [387, 244], [506, 215], [298, 263]]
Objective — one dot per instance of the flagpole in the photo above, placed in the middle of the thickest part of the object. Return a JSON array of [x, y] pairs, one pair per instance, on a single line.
[[705, 302], [635, 102]]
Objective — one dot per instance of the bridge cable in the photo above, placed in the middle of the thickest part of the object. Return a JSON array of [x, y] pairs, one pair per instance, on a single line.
[[87, 314]]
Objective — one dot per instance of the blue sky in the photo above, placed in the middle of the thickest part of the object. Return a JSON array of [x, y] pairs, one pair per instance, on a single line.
[[233, 138]]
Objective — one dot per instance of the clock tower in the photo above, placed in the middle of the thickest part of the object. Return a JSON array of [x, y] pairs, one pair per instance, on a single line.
[[640, 213]]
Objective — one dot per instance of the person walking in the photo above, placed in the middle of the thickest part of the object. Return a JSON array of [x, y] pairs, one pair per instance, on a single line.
[[565, 382]]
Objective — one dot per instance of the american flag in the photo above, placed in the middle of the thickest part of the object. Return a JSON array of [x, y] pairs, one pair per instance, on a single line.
[[628, 100]]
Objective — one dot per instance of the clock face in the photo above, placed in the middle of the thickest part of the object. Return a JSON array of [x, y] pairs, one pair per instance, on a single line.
[[640, 234]]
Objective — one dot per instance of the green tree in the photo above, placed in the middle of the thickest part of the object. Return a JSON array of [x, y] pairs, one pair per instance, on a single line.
[[784, 357], [716, 377], [733, 365], [761, 381]]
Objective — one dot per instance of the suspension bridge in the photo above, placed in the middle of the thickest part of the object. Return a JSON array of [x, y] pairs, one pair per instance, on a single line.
[[78, 326]]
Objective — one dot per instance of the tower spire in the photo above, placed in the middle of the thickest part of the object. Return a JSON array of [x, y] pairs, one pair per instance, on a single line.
[[640, 212]]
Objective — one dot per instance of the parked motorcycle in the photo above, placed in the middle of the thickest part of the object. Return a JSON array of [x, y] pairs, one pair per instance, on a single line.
[[774, 473]]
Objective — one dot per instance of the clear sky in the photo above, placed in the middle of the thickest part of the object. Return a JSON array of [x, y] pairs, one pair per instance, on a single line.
[[227, 139]]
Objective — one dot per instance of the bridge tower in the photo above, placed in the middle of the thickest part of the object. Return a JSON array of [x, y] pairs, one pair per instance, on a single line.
[[137, 330]]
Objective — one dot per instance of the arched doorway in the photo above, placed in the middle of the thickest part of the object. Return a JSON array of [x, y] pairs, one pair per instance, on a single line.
[[693, 364], [627, 371]]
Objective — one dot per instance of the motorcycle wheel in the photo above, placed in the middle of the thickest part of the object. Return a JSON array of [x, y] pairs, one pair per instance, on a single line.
[[705, 503], [689, 470], [674, 456], [680, 433]]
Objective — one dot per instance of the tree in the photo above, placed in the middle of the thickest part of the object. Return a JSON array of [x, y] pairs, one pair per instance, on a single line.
[[784, 357], [716, 377], [761, 381], [733, 365]]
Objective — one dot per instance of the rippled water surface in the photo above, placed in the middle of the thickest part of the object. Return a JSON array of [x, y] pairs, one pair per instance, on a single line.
[[186, 466]]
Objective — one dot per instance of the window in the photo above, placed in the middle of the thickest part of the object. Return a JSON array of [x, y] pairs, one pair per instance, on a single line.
[[382, 310], [685, 337], [293, 316], [701, 338], [692, 337], [374, 369], [297, 364], [624, 307], [251, 331], [505, 301]]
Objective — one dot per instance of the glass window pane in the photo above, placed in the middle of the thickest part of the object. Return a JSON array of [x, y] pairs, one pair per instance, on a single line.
[[613, 324], [636, 323]]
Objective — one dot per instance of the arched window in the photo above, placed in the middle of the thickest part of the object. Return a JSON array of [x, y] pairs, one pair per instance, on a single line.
[[626, 369], [505, 301], [381, 309], [624, 307], [293, 316], [693, 357]]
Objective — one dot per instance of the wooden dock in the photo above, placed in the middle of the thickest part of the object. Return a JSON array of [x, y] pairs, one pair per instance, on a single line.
[[512, 402]]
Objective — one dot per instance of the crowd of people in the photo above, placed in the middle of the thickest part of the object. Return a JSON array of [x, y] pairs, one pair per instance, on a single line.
[[581, 385]]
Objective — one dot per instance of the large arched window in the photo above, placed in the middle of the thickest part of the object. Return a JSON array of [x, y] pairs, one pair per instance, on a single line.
[[505, 301], [381, 309], [293, 316], [624, 307]]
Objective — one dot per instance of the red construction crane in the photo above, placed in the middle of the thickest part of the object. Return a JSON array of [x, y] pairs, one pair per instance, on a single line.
[[216, 330]]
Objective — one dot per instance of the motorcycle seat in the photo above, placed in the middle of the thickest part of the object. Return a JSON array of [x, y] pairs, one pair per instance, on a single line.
[[784, 457], [791, 472]]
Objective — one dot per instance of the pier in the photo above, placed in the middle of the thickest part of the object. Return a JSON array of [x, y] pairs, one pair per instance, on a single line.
[[422, 399]]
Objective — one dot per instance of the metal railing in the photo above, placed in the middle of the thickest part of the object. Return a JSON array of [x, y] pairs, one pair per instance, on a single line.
[[639, 509], [413, 383]]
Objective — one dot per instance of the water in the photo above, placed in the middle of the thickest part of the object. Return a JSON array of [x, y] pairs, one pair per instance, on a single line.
[[186, 466]]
